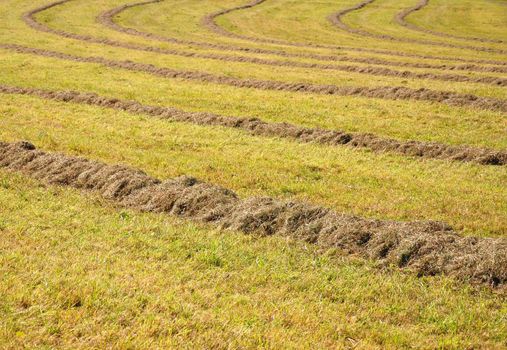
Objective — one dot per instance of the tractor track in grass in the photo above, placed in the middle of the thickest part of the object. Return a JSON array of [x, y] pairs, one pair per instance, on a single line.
[[257, 127], [401, 19], [209, 21], [106, 19], [382, 92], [425, 248], [336, 19]]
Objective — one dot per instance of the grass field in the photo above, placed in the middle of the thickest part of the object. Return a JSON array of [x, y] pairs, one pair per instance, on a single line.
[[83, 271]]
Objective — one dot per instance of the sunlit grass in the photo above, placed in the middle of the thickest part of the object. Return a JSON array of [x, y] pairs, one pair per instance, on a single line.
[[77, 272]]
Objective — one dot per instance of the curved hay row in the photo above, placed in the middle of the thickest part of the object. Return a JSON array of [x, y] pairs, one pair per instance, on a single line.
[[376, 71], [107, 19], [382, 92], [426, 248], [209, 22], [336, 19], [432, 150], [401, 19]]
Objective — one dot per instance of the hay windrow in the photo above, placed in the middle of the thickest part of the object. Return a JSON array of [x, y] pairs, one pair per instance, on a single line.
[[209, 22], [336, 19], [432, 150], [425, 248], [30, 20], [107, 19], [382, 92], [401, 19]]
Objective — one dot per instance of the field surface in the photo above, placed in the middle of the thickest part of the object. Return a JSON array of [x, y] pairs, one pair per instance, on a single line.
[[265, 174]]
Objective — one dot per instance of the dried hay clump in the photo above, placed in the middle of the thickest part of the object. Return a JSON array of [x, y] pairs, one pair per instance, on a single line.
[[428, 248]]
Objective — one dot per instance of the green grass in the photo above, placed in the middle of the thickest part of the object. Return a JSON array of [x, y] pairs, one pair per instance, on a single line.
[[79, 273], [467, 196], [399, 119], [166, 19], [306, 21], [484, 19], [379, 18], [61, 17]]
